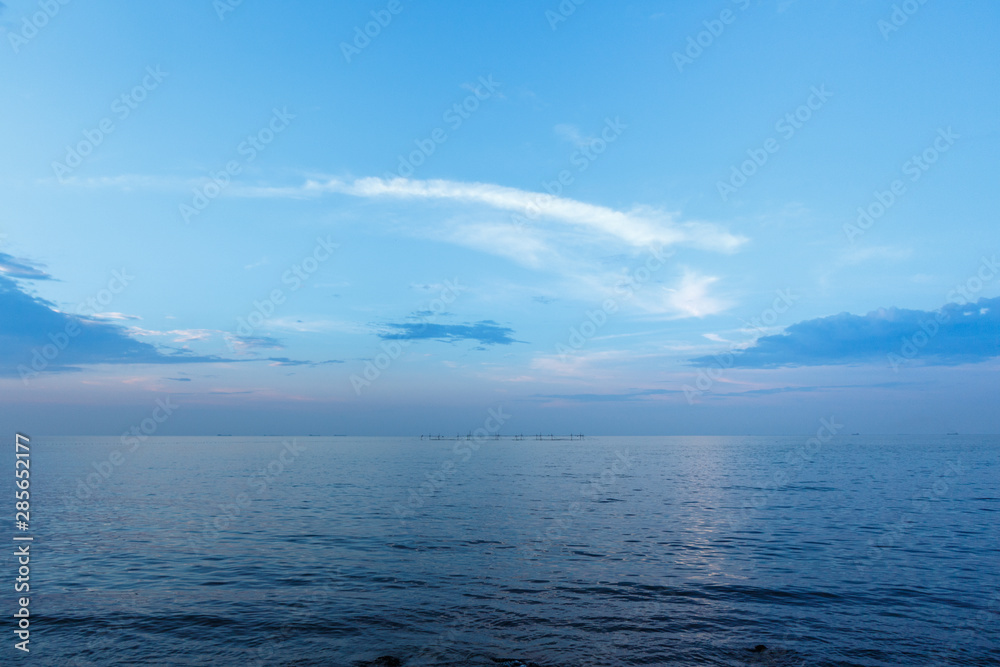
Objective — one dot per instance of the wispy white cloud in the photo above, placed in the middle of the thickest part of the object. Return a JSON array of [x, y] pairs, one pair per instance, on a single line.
[[599, 367], [856, 255], [691, 296], [127, 182], [572, 134], [640, 227], [524, 247], [300, 325], [177, 335], [562, 236], [555, 234], [114, 316]]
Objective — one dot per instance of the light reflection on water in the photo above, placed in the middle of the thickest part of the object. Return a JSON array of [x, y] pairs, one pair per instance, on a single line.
[[203, 551]]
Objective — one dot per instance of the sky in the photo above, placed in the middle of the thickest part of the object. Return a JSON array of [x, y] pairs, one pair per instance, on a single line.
[[395, 217]]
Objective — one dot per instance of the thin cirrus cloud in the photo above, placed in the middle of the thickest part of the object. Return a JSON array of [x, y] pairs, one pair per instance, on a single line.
[[545, 247], [609, 398], [285, 361], [640, 227], [561, 236], [255, 342], [771, 391], [533, 246], [952, 335]]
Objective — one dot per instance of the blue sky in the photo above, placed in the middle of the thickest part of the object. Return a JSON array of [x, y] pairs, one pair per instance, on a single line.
[[642, 217]]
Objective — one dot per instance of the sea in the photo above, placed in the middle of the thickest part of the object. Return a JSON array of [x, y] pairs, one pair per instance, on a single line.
[[552, 552]]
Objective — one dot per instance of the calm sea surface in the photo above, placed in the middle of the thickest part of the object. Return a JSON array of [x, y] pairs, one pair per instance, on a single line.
[[607, 551]]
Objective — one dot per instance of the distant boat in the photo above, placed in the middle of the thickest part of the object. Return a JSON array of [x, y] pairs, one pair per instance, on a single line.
[[953, 433], [855, 434]]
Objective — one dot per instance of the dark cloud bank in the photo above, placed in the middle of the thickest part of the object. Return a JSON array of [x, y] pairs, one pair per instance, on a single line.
[[954, 334]]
